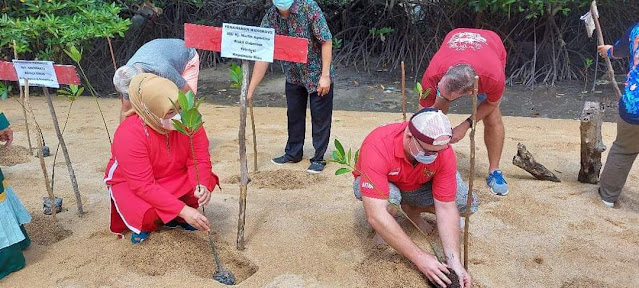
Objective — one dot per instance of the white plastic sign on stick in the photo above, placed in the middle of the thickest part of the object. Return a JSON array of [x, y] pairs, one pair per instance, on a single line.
[[248, 42], [39, 73]]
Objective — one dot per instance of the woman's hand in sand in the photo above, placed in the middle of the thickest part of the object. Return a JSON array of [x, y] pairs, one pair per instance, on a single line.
[[195, 218], [434, 270], [202, 194]]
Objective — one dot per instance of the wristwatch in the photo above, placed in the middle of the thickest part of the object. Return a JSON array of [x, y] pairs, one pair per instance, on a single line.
[[470, 121]]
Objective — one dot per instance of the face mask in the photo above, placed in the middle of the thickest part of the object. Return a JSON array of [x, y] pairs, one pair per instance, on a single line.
[[168, 124], [421, 157], [283, 4]]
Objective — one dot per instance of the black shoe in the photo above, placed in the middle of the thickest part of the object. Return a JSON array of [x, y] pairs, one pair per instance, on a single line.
[[316, 167], [282, 160]]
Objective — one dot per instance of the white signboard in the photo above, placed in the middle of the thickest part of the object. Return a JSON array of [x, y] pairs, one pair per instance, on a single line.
[[39, 73], [248, 42]]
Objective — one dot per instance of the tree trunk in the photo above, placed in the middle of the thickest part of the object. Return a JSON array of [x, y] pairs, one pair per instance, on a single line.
[[243, 164], [526, 161], [67, 159], [591, 142]]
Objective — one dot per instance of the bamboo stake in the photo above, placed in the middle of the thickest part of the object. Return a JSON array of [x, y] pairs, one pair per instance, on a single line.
[[469, 201], [243, 165], [67, 159], [22, 98], [403, 92], [611, 73], [254, 136], [43, 166]]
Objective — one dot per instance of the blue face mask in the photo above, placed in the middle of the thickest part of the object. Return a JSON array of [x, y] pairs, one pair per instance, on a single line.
[[421, 157], [283, 4]]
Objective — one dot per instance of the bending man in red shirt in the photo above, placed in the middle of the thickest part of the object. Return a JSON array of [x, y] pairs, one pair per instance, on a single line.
[[412, 164], [464, 54], [151, 175]]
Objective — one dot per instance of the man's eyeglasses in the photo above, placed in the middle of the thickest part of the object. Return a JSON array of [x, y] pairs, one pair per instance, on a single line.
[[426, 151], [439, 95]]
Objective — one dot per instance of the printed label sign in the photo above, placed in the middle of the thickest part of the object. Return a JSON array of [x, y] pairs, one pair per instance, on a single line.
[[39, 73], [248, 42]]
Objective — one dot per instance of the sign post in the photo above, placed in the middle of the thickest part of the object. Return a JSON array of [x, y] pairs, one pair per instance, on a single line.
[[45, 74], [249, 44]]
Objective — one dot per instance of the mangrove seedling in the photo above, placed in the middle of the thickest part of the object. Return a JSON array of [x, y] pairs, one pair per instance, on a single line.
[[189, 124]]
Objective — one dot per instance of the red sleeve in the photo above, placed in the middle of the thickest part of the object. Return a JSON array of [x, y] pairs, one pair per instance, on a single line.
[[429, 86], [445, 179], [374, 165], [203, 160], [132, 154]]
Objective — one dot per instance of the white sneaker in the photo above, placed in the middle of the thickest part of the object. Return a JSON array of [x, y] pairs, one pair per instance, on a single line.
[[608, 204]]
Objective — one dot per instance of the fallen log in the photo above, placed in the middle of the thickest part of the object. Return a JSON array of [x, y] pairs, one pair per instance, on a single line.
[[526, 161]]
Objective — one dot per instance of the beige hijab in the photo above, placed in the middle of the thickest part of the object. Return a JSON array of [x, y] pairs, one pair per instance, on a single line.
[[149, 95]]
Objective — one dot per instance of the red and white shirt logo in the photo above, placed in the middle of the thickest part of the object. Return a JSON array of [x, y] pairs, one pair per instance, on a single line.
[[464, 40]]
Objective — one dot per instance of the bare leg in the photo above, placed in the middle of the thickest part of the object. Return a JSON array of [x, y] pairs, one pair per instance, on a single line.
[[494, 134]]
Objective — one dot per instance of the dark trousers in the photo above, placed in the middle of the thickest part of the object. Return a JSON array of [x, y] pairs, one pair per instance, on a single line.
[[321, 117]]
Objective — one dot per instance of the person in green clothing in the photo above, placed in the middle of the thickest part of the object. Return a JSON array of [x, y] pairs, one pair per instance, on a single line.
[[13, 216]]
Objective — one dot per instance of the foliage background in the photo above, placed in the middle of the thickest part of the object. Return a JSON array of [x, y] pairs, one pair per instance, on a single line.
[[545, 40]]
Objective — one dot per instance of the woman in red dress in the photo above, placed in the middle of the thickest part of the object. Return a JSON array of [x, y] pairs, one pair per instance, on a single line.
[[151, 175]]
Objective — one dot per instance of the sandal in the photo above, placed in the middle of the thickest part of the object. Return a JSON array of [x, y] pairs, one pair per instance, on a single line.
[[138, 238], [183, 225]]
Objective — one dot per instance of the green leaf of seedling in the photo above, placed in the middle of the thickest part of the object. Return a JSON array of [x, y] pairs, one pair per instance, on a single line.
[[184, 103], [356, 155], [190, 98], [341, 171], [336, 157], [179, 126], [191, 118], [74, 54], [340, 149], [418, 89], [349, 156]]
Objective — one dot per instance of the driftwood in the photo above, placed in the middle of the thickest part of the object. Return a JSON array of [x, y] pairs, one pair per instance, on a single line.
[[243, 165], [526, 161], [591, 142]]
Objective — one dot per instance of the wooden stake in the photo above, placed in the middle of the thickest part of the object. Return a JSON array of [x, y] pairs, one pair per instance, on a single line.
[[526, 161], [611, 73], [67, 159], [243, 165], [403, 92], [254, 137], [469, 201], [24, 110], [43, 166]]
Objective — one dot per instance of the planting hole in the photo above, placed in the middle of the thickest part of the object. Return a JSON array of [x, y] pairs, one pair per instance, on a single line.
[[43, 230], [166, 250], [279, 179]]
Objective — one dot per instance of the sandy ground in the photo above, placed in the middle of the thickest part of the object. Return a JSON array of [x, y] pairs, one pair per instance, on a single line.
[[308, 230]]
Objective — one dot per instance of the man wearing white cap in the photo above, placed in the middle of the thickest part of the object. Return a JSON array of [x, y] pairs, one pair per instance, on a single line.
[[413, 165]]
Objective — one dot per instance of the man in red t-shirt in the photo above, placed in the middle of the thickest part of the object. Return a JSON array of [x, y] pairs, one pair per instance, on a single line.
[[412, 164], [464, 54]]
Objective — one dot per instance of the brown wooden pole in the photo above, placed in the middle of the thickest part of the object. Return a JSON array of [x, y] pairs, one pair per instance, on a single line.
[[65, 152], [254, 136], [403, 92], [243, 165], [24, 109], [43, 166], [611, 73], [115, 67], [591, 142], [469, 201]]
